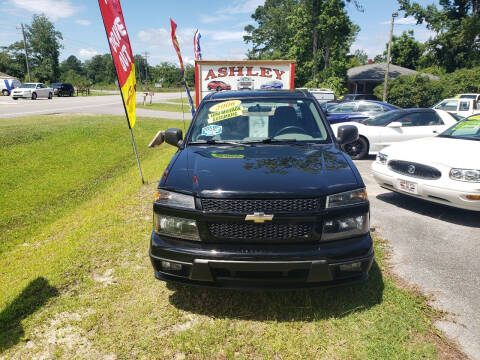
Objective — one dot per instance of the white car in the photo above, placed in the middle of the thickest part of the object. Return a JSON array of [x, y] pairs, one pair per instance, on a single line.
[[461, 106], [394, 126], [444, 169], [32, 91]]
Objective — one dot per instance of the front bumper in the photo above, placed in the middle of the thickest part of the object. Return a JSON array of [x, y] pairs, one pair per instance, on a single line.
[[249, 266], [21, 95], [446, 192]]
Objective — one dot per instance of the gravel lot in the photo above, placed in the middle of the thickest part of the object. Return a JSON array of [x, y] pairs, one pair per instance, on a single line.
[[437, 248]]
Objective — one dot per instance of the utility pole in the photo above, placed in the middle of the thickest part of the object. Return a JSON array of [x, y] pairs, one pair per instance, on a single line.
[[394, 15], [146, 65], [26, 52]]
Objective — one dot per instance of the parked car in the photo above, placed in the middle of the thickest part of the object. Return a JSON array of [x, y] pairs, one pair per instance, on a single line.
[[7, 85], [473, 96], [357, 110], [273, 84], [245, 83], [258, 196], [218, 85], [461, 106], [32, 91], [351, 97], [444, 169], [396, 126], [63, 89], [323, 95]]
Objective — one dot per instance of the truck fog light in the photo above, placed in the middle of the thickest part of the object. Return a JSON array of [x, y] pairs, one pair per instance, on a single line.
[[356, 266], [167, 265]]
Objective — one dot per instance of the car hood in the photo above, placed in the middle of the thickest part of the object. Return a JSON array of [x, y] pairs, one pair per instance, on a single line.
[[262, 171], [448, 152]]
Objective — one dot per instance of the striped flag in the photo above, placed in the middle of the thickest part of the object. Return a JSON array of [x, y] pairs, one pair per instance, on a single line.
[[173, 27], [196, 45]]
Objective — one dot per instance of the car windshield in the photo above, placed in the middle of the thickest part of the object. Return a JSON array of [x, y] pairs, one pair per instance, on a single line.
[[28, 86], [56, 85], [456, 116], [467, 129], [383, 119], [258, 120]]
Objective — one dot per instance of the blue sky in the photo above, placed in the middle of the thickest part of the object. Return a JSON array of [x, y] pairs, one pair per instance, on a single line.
[[221, 24]]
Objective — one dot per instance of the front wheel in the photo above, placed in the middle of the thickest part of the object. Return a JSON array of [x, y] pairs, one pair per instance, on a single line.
[[14, 98], [50, 96], [5, 92], [34, 96], [357, 149]]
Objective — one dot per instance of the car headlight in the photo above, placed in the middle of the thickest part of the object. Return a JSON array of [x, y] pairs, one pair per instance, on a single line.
[[176, 227], [173, 199], [345, 227], [465, 175], [382, 158], [347, 198]]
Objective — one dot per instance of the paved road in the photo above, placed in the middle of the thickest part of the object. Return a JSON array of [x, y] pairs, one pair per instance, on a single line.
[[437, 248], [108, 104]]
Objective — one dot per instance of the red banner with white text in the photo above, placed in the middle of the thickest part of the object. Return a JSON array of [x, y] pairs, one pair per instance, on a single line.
[[121, 52]]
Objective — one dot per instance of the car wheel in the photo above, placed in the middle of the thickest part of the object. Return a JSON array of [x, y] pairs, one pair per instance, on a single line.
[[219, 88], [357, 149], [5, 92], [14, 98], [50, 96], [34, 96]]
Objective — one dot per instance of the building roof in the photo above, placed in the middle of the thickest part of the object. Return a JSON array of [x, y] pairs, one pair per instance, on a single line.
[[376, 72], [5, 76]]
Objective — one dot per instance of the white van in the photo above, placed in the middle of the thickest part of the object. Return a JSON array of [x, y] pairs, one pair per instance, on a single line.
[[7, 85], [461, 106]]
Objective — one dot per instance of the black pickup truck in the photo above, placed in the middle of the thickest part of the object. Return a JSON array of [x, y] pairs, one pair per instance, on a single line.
[[260, 195]]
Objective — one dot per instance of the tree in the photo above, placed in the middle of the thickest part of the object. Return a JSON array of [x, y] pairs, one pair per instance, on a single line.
[[44, 43], [72, 63], [406, 51], [100, 69], [457, 43], [412, 91], [316, 33]]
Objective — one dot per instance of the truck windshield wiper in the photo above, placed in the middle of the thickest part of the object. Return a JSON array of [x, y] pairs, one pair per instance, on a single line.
[[277, 141], [220, 142]]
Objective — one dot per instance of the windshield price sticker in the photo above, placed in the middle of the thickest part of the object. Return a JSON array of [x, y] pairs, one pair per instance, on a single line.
[[225, 110], [469, 124], [211, 130]]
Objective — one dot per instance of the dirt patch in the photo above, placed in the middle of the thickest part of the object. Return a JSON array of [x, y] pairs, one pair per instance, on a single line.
[[105, 278]]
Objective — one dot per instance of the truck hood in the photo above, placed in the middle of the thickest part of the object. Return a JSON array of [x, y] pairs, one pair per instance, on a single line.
[[262, 171]]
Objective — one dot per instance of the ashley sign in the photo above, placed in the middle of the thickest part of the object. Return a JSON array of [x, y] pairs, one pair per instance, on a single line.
[[213, 76]]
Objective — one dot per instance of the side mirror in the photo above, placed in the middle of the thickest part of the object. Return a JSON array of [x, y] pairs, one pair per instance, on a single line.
[[395, 124], [347, 134], [174, 136]]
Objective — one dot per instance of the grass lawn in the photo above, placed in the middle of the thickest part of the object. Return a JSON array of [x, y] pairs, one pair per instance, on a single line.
[[166, 107], [77, 283], [179, 100]]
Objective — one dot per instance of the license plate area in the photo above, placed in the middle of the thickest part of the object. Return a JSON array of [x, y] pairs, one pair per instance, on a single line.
[[408, 186]]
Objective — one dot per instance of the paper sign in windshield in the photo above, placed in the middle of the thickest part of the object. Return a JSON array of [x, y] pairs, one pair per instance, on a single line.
[[468, 124], [225, 110], [211, 130]]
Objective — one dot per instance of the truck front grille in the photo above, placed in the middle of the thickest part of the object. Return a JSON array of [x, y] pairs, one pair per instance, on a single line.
[[249, 206], [273, 232], [414, 169]]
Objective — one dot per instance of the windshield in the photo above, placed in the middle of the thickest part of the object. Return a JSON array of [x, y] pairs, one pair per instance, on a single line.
[[467, 129], [257, 120], [56, 85], [383, 119], [456, 116], [28, 86]]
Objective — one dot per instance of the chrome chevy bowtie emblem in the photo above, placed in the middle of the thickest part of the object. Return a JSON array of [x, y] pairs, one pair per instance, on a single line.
[[258, 217], [411, 169]]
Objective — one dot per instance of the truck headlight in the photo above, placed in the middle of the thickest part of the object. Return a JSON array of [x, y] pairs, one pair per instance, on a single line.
[[173, 199], [465, 175], [382, 158], [176, 227], [345, 227], [347, 198]]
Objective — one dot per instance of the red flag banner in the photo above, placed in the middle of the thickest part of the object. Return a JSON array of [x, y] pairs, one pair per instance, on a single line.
[[121, 52], [173, 28]]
